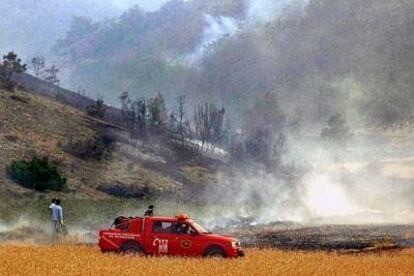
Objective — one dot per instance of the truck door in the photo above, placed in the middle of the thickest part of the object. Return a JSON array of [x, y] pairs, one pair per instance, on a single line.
[[189, 242], [160, 239]]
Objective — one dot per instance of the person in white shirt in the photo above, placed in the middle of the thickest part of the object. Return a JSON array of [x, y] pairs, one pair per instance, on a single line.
[[52, 203], [57, 216]]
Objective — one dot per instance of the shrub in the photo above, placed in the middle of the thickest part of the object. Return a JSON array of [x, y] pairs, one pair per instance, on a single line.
[[9, 85], [37, 174], [97, 109], [96, 148], [124, 191]]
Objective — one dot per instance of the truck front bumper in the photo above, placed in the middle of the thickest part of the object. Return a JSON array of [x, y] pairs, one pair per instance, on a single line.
[[235, 253]]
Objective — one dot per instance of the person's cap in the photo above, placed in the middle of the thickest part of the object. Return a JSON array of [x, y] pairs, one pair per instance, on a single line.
[[151, 207]]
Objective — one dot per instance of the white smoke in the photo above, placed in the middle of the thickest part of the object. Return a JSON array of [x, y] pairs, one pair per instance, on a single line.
[[24, 221], [258, 12], [215, 28], [323, 197], [364, 182], [256, 195]]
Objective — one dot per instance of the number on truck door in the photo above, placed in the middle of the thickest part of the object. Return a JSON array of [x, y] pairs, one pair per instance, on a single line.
[[162, 239]]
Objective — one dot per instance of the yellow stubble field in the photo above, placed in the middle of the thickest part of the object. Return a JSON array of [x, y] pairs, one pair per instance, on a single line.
[[86, 260]]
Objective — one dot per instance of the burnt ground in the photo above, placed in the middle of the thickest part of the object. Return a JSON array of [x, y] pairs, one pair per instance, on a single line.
[[286, 236], [327, 237]]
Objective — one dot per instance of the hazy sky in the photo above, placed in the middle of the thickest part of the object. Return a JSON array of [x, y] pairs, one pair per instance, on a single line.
[[145, 4], [31, 27]]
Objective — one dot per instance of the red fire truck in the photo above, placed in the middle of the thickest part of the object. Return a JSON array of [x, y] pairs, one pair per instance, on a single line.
[[177, 236]]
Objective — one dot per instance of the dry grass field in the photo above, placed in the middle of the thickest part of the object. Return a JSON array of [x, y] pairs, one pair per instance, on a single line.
[[84, 260]]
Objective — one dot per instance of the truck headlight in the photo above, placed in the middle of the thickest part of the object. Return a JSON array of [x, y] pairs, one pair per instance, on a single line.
[[235, 244]]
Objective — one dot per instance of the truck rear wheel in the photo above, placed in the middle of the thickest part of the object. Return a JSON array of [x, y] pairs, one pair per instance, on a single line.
[[131, 247], [215, 251]]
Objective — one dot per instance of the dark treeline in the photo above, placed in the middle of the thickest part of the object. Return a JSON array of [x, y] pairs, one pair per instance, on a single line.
[[204, 126], [261, 138], [146, 117]]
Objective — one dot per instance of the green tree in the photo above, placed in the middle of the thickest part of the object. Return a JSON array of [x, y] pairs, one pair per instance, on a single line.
[[10, 65]]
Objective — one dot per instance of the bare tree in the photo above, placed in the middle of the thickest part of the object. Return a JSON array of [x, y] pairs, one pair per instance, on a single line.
[[217, 130], [265, 142], [208, 121], [134, 114], [82, 91], [182, 126], [51, 75], [139, 116], [38, 66], [125, 107], [237, 148], [157, 111]]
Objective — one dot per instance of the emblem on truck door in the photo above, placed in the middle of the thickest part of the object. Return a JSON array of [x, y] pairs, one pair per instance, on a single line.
[[185, 244], [162, 245]]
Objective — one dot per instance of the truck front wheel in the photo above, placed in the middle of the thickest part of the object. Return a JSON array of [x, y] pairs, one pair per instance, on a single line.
[[131, 247], [215, 251]]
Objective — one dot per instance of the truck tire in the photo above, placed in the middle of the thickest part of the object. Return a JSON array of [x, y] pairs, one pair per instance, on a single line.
[[215, 251], [131, 247]]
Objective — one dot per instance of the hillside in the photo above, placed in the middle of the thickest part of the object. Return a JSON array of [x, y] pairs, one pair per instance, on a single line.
[[36, 125]]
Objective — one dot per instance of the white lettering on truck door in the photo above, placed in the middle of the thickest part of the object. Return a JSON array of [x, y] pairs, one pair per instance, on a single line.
[[162, 245]]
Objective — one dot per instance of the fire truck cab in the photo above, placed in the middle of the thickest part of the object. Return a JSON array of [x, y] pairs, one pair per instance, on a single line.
[[176, 236]]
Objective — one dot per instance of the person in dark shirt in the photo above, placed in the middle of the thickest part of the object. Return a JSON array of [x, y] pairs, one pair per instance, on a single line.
[[150, 211]]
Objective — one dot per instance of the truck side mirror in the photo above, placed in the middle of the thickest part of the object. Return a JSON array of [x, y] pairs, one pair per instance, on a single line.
[[193, 233]]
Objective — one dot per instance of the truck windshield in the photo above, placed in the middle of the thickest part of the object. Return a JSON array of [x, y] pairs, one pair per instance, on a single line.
[[199, 228]]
